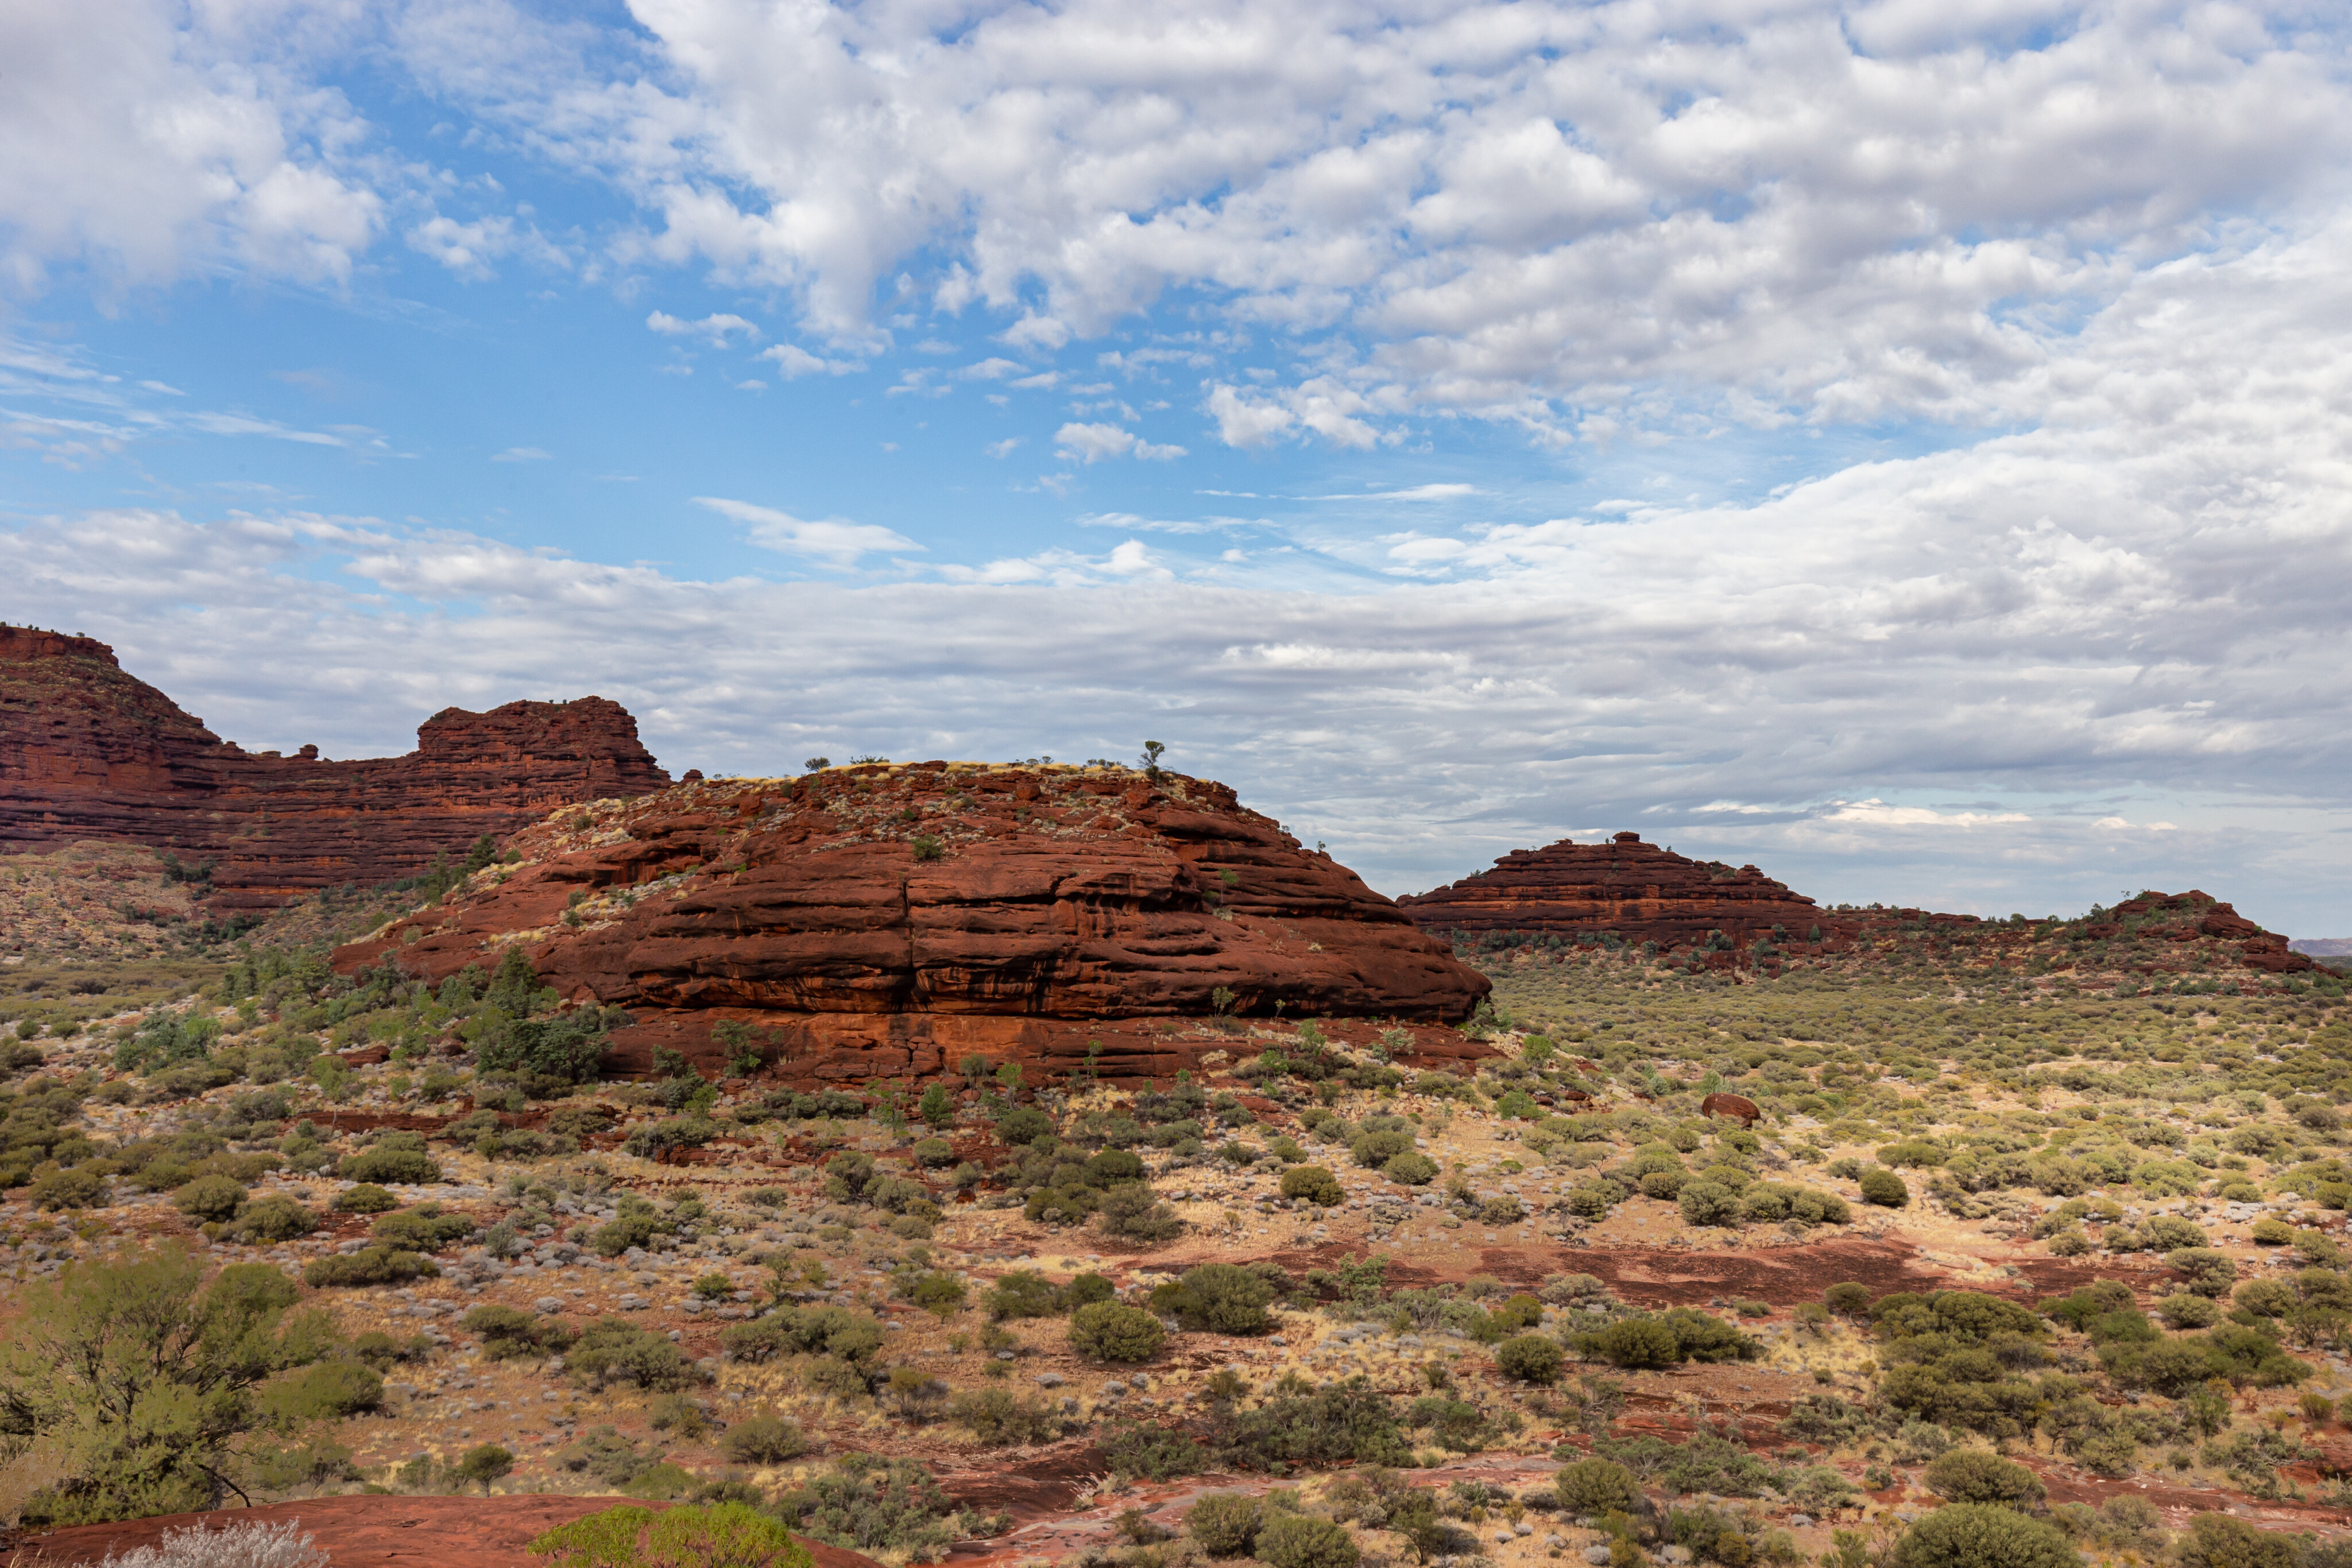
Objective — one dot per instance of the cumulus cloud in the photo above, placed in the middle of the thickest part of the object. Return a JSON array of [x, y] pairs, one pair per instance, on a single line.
[[834, 540], [793, 362], [1092, 443], [715, 329]]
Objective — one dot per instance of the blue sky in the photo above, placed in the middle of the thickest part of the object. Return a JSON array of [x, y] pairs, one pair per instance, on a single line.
[[1899, 445]]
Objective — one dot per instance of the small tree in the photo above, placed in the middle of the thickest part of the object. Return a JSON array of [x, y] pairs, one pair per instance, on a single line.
[[937, 1108], [1152, 754], [141, 1382], [481, 1464]]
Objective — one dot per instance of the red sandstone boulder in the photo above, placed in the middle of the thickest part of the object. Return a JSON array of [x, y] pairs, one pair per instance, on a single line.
[[88, 751], [884, 919]]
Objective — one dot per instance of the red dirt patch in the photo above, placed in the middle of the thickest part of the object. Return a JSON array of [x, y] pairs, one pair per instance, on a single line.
[[379, 1531]]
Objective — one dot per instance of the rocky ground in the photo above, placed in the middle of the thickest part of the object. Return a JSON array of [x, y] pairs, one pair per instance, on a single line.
[[2038, 1123]]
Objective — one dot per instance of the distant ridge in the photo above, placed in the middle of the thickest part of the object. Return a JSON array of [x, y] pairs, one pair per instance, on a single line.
[[2323, 947]]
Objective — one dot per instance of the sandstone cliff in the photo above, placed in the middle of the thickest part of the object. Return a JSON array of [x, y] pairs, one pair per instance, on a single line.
[[1639, 891], [896, 919], [88, 751]]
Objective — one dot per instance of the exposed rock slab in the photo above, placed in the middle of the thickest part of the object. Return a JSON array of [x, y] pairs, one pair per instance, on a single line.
[[896, 919], [88, 751]]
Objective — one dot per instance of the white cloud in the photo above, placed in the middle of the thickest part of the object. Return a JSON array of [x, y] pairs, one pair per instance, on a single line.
[[521, 455], [1129, 561], [1878, 813], [834, 540], [716, 330], [1092, 443], [992, 369], [793, 362], [1002, 448]]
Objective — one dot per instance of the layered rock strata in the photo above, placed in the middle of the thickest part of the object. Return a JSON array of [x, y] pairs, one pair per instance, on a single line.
[[1636, 890], [896, 919], [88, 751]]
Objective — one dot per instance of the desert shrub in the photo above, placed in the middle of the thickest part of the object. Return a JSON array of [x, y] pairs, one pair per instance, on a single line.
[[1704, 1203], [272, 1219], [425, 1228], [1225, 1524], [1299, 1541], [1411, 1169], [1217, 1298], [886, 1506], [140, 1382], [395, 1158], [365, 1198], [1315, 1184], [2217, 1540], [1325, 1425], [850, 1337], [1023, 1293], [1596, 1487], [614, 1351], [1979, 1474], [368, 1266], [1848, 1300], [2208, 1272], [325, 1390], [1981, 1535], [997, 1417], [2182, 1310], [210, 1197], [1374, 1150], [507, 1334], [764, 1441], [1884, 1188], [1023, 1124], [714, 1535], [1110, 1332], [651, 1140], [1134, 1213], [1677, 1334], [231, 1546], [1530, 1358], [634, 1222]]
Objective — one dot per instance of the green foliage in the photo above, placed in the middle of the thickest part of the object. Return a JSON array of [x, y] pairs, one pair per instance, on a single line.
[[997, 1417], [1217, 1298], [1023, 1293], [1326, 1426], [1298, 1541], [368, 1266], [2217, 1540], [1225, 1524], [1978, 1475], [717, 1535], [1981, 1535], [271, 1219], [764, 1441], [1023, 1124], [1315, 1184], [851, 1337], [1884, 1188], [1677, 1334], [1530, 1358], [143, 1384], [870, 1505], [1132, 1212], [326, 1391], [613, 1350], [1596, 1487], [210, 1197], [425, 1228], [508, 1334], [1110, 1332], [394, 1158]]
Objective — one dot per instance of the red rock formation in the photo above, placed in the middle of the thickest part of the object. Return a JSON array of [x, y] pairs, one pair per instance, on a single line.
[[88, 751], [891, 919], [1638, 891]]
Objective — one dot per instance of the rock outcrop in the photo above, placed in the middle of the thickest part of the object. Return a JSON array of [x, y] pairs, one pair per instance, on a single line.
[[896, 919], [88, 751], [1637, 891]]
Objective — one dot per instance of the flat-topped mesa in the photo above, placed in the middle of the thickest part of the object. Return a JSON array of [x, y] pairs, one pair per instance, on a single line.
[[893, 919], [88, 751], [1636, 890]]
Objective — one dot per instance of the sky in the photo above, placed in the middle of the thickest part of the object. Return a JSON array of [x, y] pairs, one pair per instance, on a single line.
[[1905, 446]]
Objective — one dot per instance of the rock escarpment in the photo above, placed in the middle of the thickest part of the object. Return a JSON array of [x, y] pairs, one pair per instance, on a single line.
[[893, 919], [1638, 892], [88, 751]]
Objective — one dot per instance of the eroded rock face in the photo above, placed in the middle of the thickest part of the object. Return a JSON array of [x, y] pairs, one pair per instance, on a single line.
[[88, 751], [896, 919], [1640, 891]]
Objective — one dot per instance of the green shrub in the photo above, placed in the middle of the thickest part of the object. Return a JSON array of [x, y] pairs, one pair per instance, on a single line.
[[764, 1441], [2217, 1540], [1134, 1213], [1884, 1188], [272, 1219], [2184, 1310], [1704, 1203], [1981, 1535], [1110, 1332], [1225, 1524], [1315, 1184], [481, 1464], [891, 1507], [849, 1337], [1297, 1541], [1979, 1474], [1411, 1169], [1596, 1487], [1374, 1150], [328, 1390], [1023, 1293], [1325, 1426], [1848, 1300], [997, 1417], [2209, 1273], [395, 1158], [713, 1535], [1023, 1124], [369, 1266], [1634, 1341], [508, 1334], [365, 1198], [425, 1228], [1530, 1358], [614, 1351], [210, 1197], [1217, 1298]]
